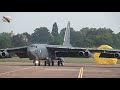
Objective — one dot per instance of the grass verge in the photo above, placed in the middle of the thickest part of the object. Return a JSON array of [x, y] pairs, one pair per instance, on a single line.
[[67, 60]]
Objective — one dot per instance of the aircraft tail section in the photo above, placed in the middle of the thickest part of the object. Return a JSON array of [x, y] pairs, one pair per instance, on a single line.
[[67, 36]]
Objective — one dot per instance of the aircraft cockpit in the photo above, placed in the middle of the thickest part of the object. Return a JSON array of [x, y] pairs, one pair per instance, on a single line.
[[34, 46]]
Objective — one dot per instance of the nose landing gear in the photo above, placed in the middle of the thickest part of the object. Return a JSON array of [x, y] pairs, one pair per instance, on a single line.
[[36, 62]]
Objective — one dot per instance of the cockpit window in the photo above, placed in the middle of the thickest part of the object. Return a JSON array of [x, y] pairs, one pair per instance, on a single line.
[[31, 46]]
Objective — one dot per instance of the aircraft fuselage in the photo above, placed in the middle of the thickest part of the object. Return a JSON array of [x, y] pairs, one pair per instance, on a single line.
[[38, 51]]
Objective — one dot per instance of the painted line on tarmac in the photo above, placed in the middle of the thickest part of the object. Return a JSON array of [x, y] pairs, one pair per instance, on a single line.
[[80, 75], [62, 69], [14, 71]]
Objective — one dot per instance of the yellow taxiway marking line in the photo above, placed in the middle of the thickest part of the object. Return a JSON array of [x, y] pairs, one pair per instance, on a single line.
[[80, 75], [15, 70]]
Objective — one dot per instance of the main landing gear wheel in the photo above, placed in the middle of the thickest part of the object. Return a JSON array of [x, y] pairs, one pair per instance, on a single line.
[[61, 62], [48, 61], [34, 62], [39, 63], [52, 63], [45, 63], [58, 63]]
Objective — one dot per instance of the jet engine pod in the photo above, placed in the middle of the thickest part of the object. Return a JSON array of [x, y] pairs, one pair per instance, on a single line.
[[117, 55], [81, 53], [87, 54], [4, 54]]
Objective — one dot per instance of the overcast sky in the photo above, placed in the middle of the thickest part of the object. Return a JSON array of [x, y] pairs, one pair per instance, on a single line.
[[29, 21]]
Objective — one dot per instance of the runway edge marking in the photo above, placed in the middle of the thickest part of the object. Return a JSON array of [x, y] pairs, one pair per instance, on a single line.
[[14, 71], [80, 75]]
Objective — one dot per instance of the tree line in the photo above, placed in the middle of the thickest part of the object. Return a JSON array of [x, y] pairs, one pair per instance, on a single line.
[[85, 37]]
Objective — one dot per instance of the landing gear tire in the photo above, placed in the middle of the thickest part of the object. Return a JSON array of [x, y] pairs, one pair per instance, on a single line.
[[33, 61], [45, 63], [61, 63], [52, 63], [58, 63], [39, 63], [49, 61]]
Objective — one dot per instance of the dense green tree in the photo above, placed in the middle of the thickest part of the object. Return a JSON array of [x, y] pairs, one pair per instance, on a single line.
[[62, 33], [5, 40], [116, 40], [27, 35], [17, 41], [86, 37], [104, 36], [40, 35], [56, 39], [55, 30]]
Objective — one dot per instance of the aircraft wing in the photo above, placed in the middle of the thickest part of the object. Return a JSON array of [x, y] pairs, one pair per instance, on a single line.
[[21, 52], [60, 51]]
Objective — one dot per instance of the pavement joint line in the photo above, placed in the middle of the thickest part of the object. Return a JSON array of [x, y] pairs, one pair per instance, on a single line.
[[14, 70], [80, 75]]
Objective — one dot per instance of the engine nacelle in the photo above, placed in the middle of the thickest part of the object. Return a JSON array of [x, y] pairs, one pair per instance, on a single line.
[[4, 54], [85, 54], [117, 55], [81, 53]]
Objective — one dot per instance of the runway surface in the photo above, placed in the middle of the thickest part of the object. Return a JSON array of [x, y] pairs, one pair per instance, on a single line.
[[69, 70]]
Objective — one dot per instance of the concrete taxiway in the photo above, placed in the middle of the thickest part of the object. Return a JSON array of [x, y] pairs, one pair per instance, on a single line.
[[69, 70]]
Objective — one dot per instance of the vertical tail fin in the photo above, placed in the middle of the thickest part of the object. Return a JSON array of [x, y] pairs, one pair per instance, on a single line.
[[67, 36]]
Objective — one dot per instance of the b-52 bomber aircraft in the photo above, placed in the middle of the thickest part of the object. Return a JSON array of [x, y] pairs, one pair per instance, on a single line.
[[50, 53]]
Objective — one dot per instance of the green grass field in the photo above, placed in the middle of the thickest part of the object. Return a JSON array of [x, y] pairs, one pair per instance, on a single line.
[[79, 60], [67, 60], [15, 59]]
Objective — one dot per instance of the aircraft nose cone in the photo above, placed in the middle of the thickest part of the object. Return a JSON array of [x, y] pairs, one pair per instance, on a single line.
[[30, 52]]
